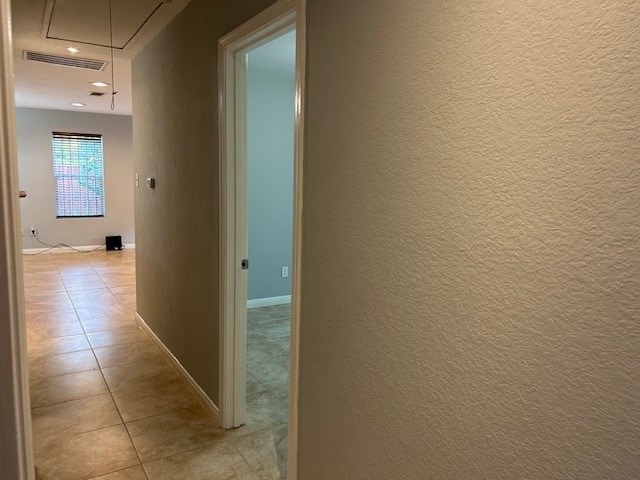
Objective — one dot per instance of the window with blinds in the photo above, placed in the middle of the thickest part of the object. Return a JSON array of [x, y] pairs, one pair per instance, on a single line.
[[78, 171]]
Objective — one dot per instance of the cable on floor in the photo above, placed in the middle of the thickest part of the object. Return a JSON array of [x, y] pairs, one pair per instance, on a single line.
[[61, 245]]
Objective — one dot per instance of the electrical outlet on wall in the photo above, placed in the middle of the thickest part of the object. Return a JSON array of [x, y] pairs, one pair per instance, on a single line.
[[33, 231], [285, 272]]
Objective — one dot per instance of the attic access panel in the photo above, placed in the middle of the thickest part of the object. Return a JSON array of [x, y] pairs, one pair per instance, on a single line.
[[87, 21]]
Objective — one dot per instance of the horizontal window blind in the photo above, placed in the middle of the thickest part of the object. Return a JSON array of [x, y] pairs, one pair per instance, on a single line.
[[78, 171]]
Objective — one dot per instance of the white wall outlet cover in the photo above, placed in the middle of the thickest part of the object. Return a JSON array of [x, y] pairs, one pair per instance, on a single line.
[[285, 272]]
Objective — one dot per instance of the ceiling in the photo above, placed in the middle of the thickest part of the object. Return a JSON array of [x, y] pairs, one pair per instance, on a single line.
[[51, 26]]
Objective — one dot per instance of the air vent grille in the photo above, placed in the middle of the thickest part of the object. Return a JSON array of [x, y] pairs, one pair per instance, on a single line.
[[75, 62]]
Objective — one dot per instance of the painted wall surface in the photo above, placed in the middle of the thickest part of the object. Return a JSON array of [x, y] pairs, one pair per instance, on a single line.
[[471, 261], [270, 109], [176, 141], [35, 163]]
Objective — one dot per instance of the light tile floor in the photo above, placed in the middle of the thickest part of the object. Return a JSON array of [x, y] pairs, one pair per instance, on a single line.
[[105, 403]]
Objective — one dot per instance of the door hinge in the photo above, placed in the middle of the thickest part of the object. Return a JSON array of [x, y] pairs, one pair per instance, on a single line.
[[244, 264]]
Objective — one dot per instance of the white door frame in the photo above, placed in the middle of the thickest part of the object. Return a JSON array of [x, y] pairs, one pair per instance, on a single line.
[[272, 22], [15, 411]]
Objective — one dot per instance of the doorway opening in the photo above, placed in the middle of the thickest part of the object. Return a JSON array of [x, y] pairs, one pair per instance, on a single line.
[[261, 127]]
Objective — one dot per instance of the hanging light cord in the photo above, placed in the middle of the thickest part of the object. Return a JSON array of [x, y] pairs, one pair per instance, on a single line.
[[113, 85]]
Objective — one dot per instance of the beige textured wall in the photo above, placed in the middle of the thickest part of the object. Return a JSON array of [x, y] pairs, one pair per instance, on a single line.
[[175, 140], [471, 282]]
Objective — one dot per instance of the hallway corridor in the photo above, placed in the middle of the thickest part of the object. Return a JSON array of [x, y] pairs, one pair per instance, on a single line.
[[106, 404]]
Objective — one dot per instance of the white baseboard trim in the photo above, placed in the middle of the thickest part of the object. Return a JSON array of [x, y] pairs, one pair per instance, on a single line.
[[82, 248], [202, 397], [267, 302]]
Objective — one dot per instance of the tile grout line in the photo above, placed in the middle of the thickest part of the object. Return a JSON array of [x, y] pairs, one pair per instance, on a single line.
[[243, 457], [71, 400], [124, 424], [108, 388], [231, 441], [83, 350], [192, 449], [113, 398]]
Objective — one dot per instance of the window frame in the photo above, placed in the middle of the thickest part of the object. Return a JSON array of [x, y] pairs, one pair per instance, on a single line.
[[57, 136]]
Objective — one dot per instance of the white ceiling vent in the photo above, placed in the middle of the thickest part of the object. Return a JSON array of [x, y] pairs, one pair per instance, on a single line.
[[65, 61]]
